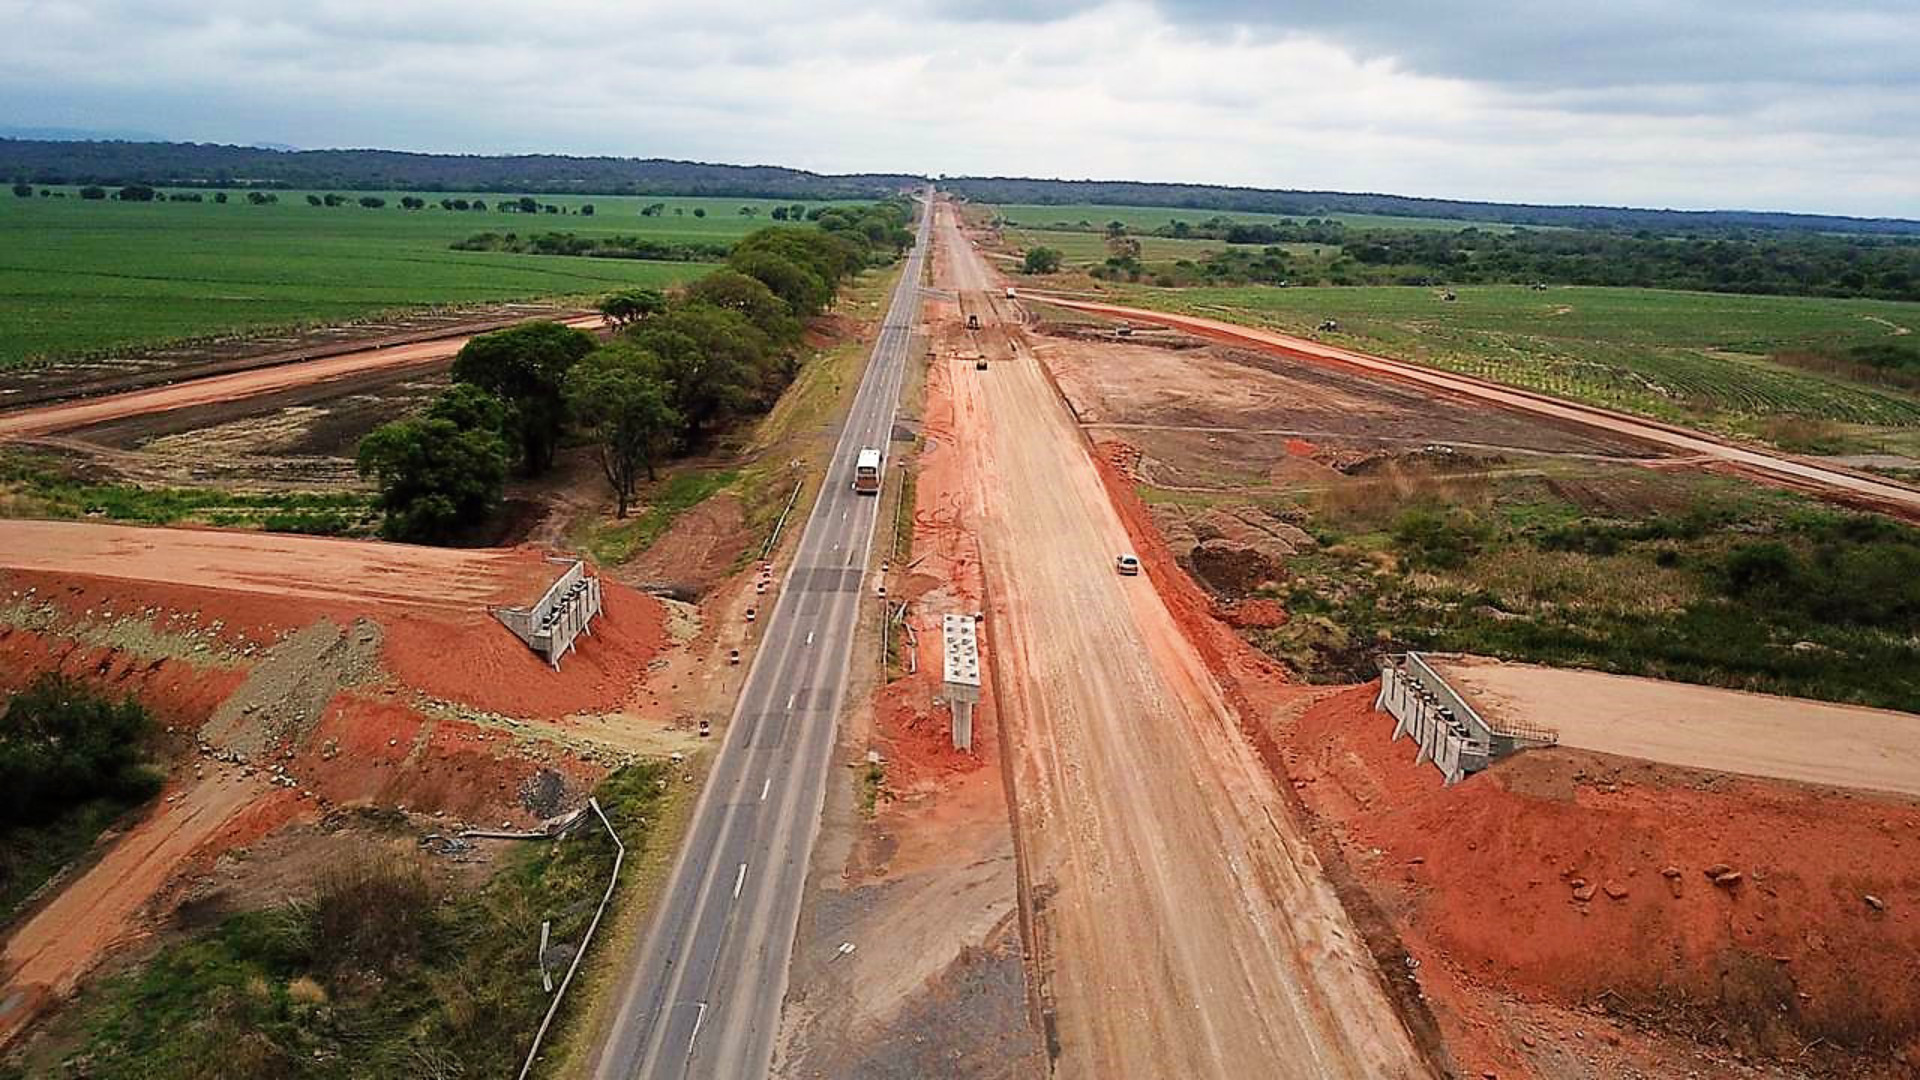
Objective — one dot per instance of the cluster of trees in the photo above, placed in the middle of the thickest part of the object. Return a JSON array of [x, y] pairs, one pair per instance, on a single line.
[[679, 371], [1041, 260], [61, 744], [1754, 262], [599, 247]]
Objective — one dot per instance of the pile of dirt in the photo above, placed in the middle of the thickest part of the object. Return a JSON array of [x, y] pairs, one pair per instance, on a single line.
[[290, 685], [492, 671], [1235, 549], [1760, 918]]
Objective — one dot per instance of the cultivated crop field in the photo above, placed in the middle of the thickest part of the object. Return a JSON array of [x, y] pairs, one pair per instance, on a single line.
[[1086, 247], [83, 276], [1692, 357]]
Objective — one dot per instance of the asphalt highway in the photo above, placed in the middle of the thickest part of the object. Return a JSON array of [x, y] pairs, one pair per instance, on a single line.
[[702, 997]]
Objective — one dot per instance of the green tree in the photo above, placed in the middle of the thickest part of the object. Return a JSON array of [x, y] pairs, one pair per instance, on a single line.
[[629, 306], [714, 359], [526, 366], [804, 291], [735, 291], [62, 744], [220, 197], [24, 191], [586, 209], [699, 211], [470, 408], [372, 202], [1041, 260], [315, 200], [623, 404], [93, 191], [439, 473]]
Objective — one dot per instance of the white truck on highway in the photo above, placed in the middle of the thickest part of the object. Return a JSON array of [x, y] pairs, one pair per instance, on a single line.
[[866, 471]]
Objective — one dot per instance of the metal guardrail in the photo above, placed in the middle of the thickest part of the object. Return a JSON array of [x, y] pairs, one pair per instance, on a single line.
[[613, 880]]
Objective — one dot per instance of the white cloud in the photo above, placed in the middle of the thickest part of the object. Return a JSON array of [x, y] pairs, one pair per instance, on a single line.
[[1640, 106]]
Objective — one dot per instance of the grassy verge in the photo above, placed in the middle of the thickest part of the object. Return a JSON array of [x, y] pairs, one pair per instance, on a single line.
[[873, 782], [1703, 581], [379, 973], [615, 543], [1727, 362], [34, 485]]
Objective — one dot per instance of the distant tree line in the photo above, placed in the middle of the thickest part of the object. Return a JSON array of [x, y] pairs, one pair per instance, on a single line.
[[1733, 261], [679, 371], [1207, 197], [206, 165], [597, 247]]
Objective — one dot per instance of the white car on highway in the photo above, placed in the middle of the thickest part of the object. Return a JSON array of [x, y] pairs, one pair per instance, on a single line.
[[1127, 565]]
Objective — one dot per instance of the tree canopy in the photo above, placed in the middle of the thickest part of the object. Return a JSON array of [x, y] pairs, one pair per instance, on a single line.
[[439, 473], [622, 403], [526, 367]]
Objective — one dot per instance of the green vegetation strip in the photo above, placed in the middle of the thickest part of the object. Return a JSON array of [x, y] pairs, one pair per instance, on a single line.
[[37, 486], [615, 543]]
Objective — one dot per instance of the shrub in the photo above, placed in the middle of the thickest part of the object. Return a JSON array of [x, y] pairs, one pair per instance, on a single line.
[[1432, 540], [370, 914], [62, 744]]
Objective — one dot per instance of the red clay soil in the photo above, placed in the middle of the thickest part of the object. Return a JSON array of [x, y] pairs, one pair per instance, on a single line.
[[371, 749], [184, 649], [1551, 877], [916, 737], [176, 692], [491, 670], [1253, 682]]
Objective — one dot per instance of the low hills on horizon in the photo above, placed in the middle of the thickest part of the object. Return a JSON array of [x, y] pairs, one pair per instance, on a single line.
[[116, 162]]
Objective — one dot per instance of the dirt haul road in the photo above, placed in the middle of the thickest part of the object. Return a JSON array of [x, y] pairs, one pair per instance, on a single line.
[[65, 416], [1181, 924], [315, 568], [1794, 472]]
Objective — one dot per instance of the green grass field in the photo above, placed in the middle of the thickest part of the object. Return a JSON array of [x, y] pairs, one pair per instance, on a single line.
[[1083, 247], [1687, 357], [80, 277], [1144, 218]]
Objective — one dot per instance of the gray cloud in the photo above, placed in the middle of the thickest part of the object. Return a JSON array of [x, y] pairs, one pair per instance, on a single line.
[[1760, 103]]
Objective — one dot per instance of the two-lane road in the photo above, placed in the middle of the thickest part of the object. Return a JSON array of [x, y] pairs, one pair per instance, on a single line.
[[703, 996]]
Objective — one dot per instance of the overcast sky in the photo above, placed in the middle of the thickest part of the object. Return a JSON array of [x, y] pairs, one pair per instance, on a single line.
[[1762, 104]]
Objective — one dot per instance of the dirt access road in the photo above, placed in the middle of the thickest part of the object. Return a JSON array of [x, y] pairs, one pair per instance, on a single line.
[[1700, 727], [1180, 923], [1781, 469], [231, 386], [278, 564]]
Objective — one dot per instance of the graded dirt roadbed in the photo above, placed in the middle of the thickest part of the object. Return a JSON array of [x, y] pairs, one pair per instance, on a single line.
[[279, 564], [1701, 727], [1180, 922], [65, 416], [1778, 468]]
